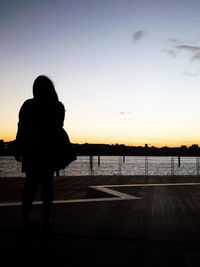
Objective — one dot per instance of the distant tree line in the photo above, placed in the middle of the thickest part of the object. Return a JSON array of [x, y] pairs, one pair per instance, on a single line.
[[123, 150], [8, 149]]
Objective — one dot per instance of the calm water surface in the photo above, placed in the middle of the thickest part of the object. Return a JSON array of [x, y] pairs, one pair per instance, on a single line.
[[114, 165]]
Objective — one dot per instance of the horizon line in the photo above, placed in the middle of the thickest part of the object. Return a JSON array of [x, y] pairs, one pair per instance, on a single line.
[[145, 145]]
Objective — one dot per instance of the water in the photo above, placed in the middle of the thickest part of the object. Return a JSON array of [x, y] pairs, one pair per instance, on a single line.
[[114, 165]]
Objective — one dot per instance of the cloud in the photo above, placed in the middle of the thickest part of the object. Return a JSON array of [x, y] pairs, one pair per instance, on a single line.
[[196, 56], [189, 48], [170, 52], [121, 111], [194, 50], [124, 113], [121, 114], [138, 35], [174, 40]]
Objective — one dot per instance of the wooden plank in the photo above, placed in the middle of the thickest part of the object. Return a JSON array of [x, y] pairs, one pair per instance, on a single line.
[[160, 229]]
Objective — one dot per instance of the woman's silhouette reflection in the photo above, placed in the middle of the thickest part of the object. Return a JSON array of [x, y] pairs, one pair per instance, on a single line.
[[40, 118]]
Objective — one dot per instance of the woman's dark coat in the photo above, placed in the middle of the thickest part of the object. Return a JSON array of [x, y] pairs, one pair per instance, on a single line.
[[37, 136]]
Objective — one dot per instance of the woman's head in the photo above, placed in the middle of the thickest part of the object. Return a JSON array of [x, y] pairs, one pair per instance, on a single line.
[[43, 89]]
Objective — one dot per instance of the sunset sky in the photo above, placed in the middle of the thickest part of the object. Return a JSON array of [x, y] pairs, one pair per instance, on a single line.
[[127, 71]]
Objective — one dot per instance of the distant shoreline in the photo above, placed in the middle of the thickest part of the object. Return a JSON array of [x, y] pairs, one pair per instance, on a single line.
[[8, 149]]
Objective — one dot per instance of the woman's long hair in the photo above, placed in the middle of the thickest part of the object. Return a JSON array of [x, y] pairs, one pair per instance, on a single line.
[[44, 90]]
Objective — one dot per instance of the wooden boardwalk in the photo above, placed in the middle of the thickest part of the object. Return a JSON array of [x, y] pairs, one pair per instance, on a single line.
[[157, 225]]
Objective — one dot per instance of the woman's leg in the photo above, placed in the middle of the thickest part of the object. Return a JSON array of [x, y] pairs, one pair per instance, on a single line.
[[46, 181], [28, 194]]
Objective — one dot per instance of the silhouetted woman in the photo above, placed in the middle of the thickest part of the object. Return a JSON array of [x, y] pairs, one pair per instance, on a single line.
[[40, 119]]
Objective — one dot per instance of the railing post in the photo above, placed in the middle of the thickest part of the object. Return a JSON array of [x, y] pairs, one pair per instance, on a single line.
[[146, 166], [179, 161], [124, 159], [197, 166], [99, 160], [172, 166], [91, 162], [120, 165]]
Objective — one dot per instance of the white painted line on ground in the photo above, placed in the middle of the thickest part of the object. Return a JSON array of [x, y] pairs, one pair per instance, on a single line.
[[104, 189], [141, 185], [118, 194]]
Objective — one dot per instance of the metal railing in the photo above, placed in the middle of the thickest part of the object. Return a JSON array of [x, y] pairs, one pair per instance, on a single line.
[[174, 165]]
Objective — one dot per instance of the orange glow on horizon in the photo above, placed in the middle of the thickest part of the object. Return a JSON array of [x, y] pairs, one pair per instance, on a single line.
[[112, 141]]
